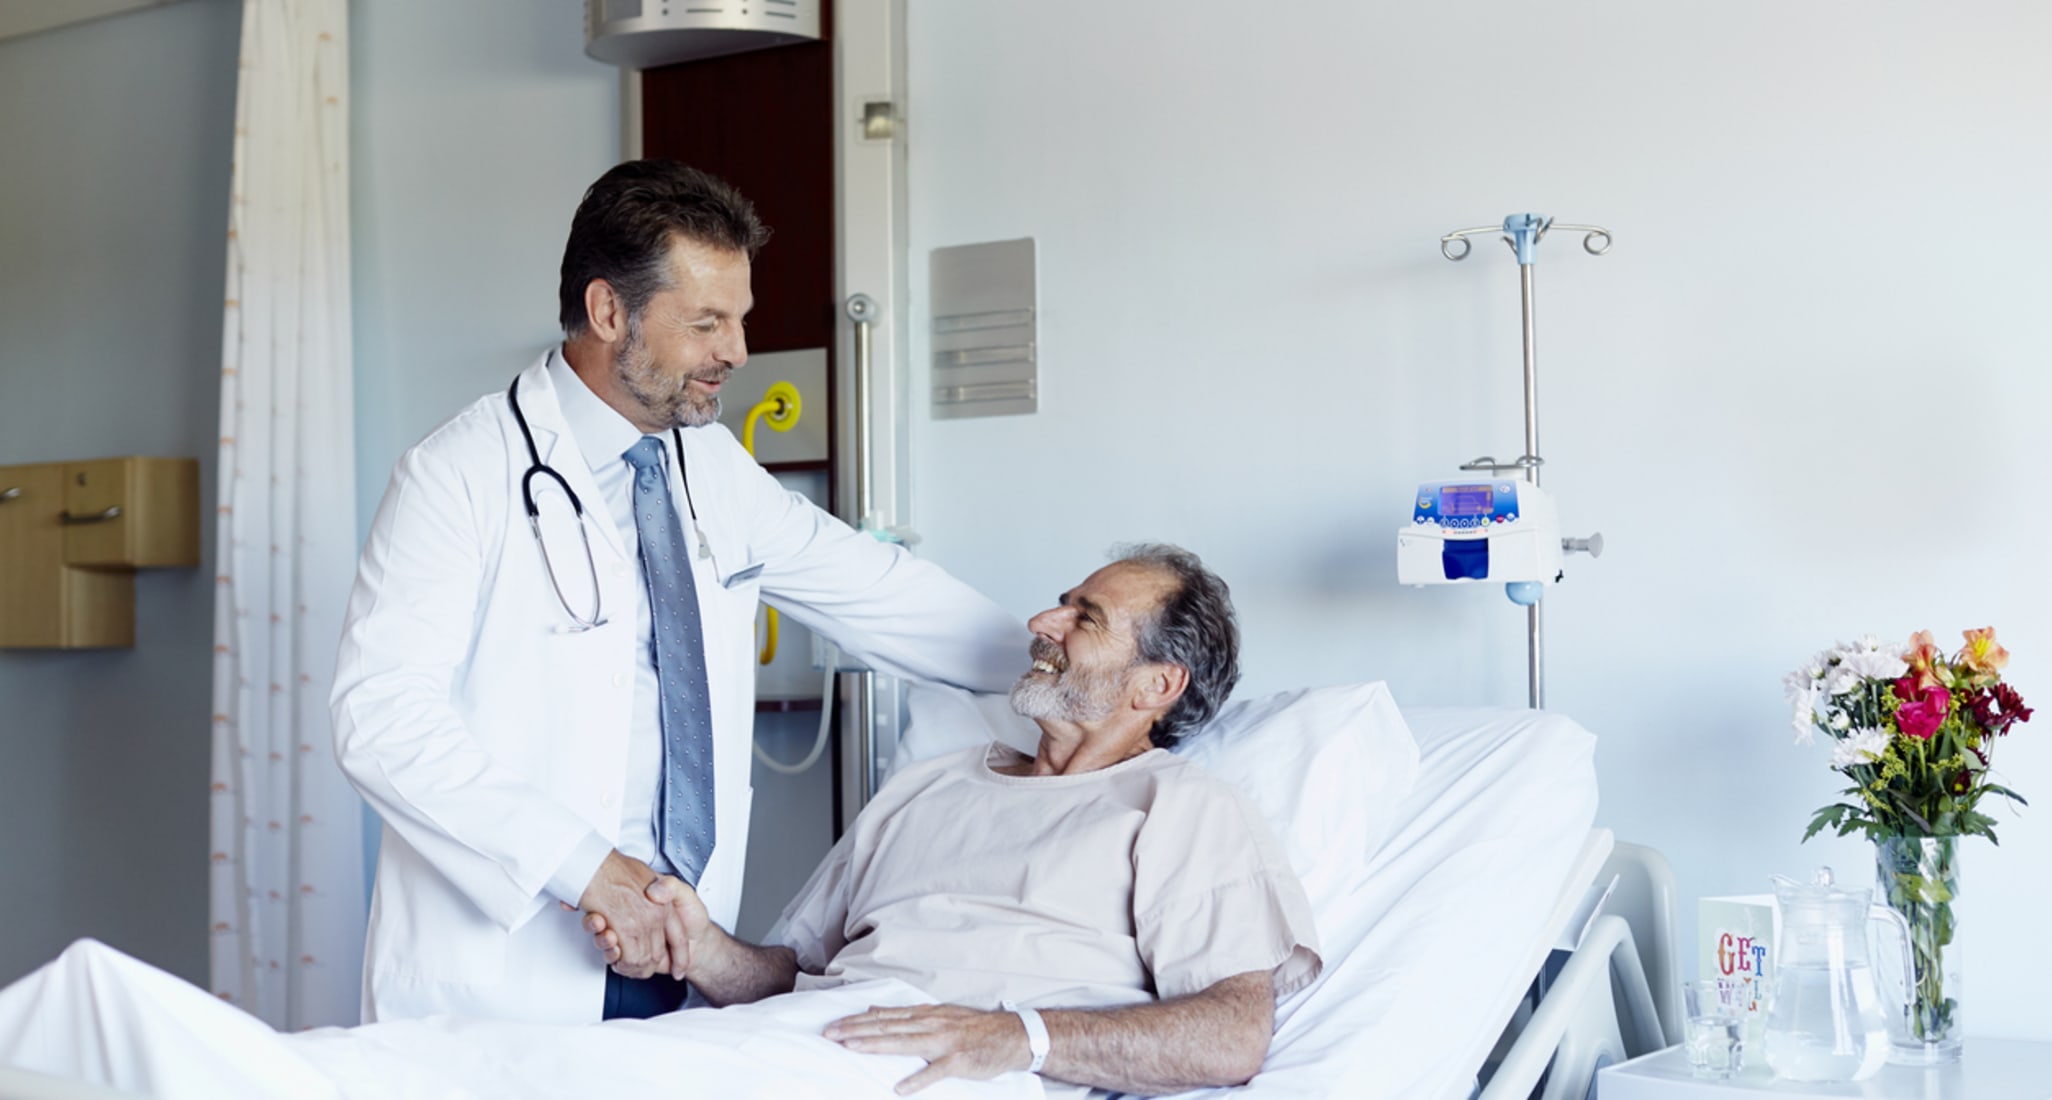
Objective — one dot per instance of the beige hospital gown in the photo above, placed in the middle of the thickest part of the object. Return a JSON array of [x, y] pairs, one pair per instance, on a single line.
[[1150, 878]]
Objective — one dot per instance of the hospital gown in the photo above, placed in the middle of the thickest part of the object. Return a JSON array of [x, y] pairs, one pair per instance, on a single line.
[[1147, 879]]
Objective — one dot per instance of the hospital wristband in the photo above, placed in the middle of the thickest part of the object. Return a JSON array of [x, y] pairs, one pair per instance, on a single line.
[[1036, 1034]]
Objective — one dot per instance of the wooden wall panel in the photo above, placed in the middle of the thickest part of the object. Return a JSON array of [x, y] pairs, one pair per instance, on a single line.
[[763, 121]]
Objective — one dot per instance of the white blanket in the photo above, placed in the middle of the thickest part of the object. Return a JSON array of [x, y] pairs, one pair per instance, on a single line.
[[96, 1015]]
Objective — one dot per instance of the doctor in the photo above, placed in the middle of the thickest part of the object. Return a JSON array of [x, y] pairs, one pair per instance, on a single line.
[[545, 684]]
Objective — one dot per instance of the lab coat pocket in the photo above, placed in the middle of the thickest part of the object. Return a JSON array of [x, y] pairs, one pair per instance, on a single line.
[[751, 574], [740, 585]]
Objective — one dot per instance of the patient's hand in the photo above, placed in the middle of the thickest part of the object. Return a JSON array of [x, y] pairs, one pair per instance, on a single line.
[[616, 906], [955, 1041], [685, 926]]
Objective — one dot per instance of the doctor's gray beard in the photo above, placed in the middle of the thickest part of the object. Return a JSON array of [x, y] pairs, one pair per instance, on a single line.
[[667, 402]]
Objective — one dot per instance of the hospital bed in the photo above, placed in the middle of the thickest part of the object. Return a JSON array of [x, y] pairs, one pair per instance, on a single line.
[[1446, 854]]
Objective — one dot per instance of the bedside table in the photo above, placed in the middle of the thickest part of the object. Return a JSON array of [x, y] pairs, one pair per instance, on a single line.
[[1993, 1069]]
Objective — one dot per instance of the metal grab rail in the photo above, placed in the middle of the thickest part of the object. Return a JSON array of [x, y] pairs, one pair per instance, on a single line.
[[863, 311]]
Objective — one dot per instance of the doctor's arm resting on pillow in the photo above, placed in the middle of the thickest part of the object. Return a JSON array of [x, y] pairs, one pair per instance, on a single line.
[[495, 700], [1159, 911]]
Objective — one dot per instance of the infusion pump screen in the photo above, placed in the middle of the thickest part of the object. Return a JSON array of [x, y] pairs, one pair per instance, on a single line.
[[1465, 500]]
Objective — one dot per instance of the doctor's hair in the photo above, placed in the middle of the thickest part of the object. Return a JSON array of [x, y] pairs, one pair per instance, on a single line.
[[624, 227], [1193, 628]]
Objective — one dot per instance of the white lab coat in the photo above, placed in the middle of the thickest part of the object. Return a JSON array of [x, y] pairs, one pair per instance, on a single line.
[[492, 741]]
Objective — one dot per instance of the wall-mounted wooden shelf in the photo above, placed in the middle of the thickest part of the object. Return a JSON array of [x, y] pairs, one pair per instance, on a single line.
[[72, 535]]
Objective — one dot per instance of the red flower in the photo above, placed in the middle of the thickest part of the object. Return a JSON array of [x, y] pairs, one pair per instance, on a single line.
[[1923, 710], [1998, 708]]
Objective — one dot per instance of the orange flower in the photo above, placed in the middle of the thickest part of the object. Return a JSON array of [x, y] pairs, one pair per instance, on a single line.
[[1925, 661], [1982, 657]]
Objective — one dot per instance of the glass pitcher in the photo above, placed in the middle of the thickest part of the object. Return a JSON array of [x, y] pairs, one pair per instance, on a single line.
[[1825, 1019]]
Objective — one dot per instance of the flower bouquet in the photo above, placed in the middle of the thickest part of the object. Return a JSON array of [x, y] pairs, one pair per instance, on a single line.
[[1914, 731]]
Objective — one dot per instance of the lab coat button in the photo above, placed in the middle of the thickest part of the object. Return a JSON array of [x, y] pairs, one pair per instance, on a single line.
[[619, 679], [607, 801]]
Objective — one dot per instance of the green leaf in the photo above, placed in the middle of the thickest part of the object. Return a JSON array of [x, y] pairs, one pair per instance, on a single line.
[[1997, 788], [1829, 815], [1902, 804]]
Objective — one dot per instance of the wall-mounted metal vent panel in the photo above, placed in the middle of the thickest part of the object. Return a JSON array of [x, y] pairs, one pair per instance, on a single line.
[[648, 34], [985, 330]]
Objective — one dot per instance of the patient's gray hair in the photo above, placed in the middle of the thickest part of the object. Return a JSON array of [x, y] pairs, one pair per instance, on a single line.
[[1193, 628]]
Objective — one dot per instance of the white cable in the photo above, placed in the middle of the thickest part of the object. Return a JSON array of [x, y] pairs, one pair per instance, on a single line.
[[826, 718]]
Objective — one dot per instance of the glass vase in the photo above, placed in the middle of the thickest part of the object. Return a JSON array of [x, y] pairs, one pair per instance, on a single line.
[[1918, 877]]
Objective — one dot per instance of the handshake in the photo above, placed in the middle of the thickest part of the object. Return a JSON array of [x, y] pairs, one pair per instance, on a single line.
[[642, 922]]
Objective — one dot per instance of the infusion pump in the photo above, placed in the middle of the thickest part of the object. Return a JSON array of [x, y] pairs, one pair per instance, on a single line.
[[1489, 529]]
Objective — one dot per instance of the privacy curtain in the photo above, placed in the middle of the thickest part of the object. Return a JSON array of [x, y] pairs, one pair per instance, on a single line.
[[287, 896]]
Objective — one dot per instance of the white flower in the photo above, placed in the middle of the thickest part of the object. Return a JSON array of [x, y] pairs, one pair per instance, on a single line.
[[1878, 664], [1841, 680], [1839, 721], [1864, 645], [1799, 686], [1862, 746]]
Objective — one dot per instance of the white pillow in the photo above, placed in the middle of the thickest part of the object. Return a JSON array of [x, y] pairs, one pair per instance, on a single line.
[[1326, 766]]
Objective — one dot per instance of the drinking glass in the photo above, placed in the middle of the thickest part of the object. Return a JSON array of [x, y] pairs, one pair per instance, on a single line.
[[1715, 1032]]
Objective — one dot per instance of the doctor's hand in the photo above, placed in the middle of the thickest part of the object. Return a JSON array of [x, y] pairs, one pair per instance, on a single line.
[[615, 905], [955, 1041], [686, 925]]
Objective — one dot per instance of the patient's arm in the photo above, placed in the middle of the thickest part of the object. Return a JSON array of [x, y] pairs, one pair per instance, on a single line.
[[1213, 1038], [725, 970]]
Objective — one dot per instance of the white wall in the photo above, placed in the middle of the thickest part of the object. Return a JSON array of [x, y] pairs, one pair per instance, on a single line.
[[114, 145], [1798, 398], [476, 127]]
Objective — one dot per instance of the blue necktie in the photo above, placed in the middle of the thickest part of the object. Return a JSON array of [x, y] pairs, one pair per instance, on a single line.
[[684, 805]]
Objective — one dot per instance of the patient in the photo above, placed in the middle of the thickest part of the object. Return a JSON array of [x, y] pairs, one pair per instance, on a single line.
[[1138, 902]]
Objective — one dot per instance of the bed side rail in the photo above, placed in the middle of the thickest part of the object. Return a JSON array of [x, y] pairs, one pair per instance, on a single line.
[[1598, 1011]]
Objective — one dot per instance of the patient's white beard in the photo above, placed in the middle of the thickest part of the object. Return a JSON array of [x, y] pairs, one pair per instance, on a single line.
[[1074, 696]]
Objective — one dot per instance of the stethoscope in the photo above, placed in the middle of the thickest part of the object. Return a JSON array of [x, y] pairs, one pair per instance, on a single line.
[[582, 623]]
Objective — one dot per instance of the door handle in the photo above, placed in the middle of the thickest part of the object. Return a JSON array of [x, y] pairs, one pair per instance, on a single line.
[[112, 512]]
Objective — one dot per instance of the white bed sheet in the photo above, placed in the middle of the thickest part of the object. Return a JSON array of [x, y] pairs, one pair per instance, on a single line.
[[98, 1017]]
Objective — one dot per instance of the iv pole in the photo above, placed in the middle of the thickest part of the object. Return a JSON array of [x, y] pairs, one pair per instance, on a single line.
[[1523, 232]]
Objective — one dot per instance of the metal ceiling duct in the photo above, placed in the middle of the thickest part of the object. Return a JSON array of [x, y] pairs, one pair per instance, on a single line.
[[647, 34]]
